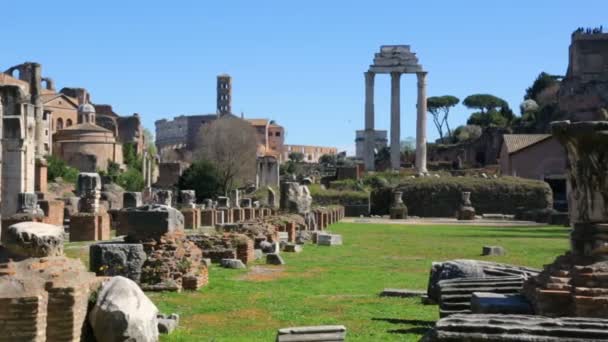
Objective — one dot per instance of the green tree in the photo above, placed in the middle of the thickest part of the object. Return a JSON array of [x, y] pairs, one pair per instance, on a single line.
[[468, 132], [439, 107], [542, 82], [328, 159], [57, 168], [484, 102], [296, 157], [203, 177]]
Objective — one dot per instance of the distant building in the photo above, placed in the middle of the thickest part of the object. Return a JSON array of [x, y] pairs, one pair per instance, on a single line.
[[311, 153], [271, 137], [380, 141], [536, 156]]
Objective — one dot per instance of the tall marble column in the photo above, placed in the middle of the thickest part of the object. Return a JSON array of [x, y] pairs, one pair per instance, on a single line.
[[369, 121], [421, 124], [395, 120]]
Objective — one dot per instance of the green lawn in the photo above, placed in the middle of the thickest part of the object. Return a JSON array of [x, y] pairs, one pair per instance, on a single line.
[[340, 285]]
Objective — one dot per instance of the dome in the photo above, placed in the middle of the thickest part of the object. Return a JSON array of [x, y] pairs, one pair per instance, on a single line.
[[86, 108]]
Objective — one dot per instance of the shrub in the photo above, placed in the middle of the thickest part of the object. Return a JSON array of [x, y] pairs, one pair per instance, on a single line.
[[347, 185], [57, 168], [441, 197], [325, 197], [131, 180]]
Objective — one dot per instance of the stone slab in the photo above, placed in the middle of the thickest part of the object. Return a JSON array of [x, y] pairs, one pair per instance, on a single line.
[[329, 239], [496, 303]]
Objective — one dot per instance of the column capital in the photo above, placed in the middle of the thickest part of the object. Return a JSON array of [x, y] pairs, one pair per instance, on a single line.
[[369, 75], [421, 78], [396, 74]]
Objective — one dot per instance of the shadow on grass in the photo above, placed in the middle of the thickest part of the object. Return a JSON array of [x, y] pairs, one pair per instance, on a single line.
[[419, 326], [415, 330], [405, 321]]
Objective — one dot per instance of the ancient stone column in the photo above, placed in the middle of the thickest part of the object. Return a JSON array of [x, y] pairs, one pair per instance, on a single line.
[[421, 124], [395, 120], [369, 121], [144, 167]]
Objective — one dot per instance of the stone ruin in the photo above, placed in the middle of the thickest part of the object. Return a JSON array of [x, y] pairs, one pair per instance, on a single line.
[[573, 285], [45, 296], [570, 295], [398, 210], [92, 221], [155, 253]]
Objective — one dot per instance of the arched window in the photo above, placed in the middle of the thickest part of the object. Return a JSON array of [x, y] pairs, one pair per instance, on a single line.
[[68, 122], [59, 124]]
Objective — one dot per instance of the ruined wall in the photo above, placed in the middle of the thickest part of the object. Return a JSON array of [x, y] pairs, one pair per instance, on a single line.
[[583, 94]]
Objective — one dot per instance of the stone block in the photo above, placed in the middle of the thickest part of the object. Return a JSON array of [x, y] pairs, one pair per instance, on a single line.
[[232, 263], [132, 199], [167, 323], [53, 211], [292, 248], [313, 333], [283, 237], [33, 239], [151, 222], [274, 259], [329, 239], [496, 303], [117, 259], [493, 250]]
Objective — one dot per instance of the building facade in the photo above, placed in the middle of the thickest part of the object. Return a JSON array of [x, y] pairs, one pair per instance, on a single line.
[[311, 153], [536, 156]]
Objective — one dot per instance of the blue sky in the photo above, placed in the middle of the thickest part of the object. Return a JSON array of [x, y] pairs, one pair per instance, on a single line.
[[300, 63]]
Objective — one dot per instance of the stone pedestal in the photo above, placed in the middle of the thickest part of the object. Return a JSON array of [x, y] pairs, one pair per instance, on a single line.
[[208, 217], [466, 210], [192, 218], [90, 227], [398, 210], [238, 215], [53, 211]]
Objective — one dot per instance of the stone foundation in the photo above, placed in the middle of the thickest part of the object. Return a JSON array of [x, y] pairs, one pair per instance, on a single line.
[[44, 299]]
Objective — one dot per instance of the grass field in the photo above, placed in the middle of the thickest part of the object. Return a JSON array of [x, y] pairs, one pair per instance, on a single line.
[[340, 285]]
